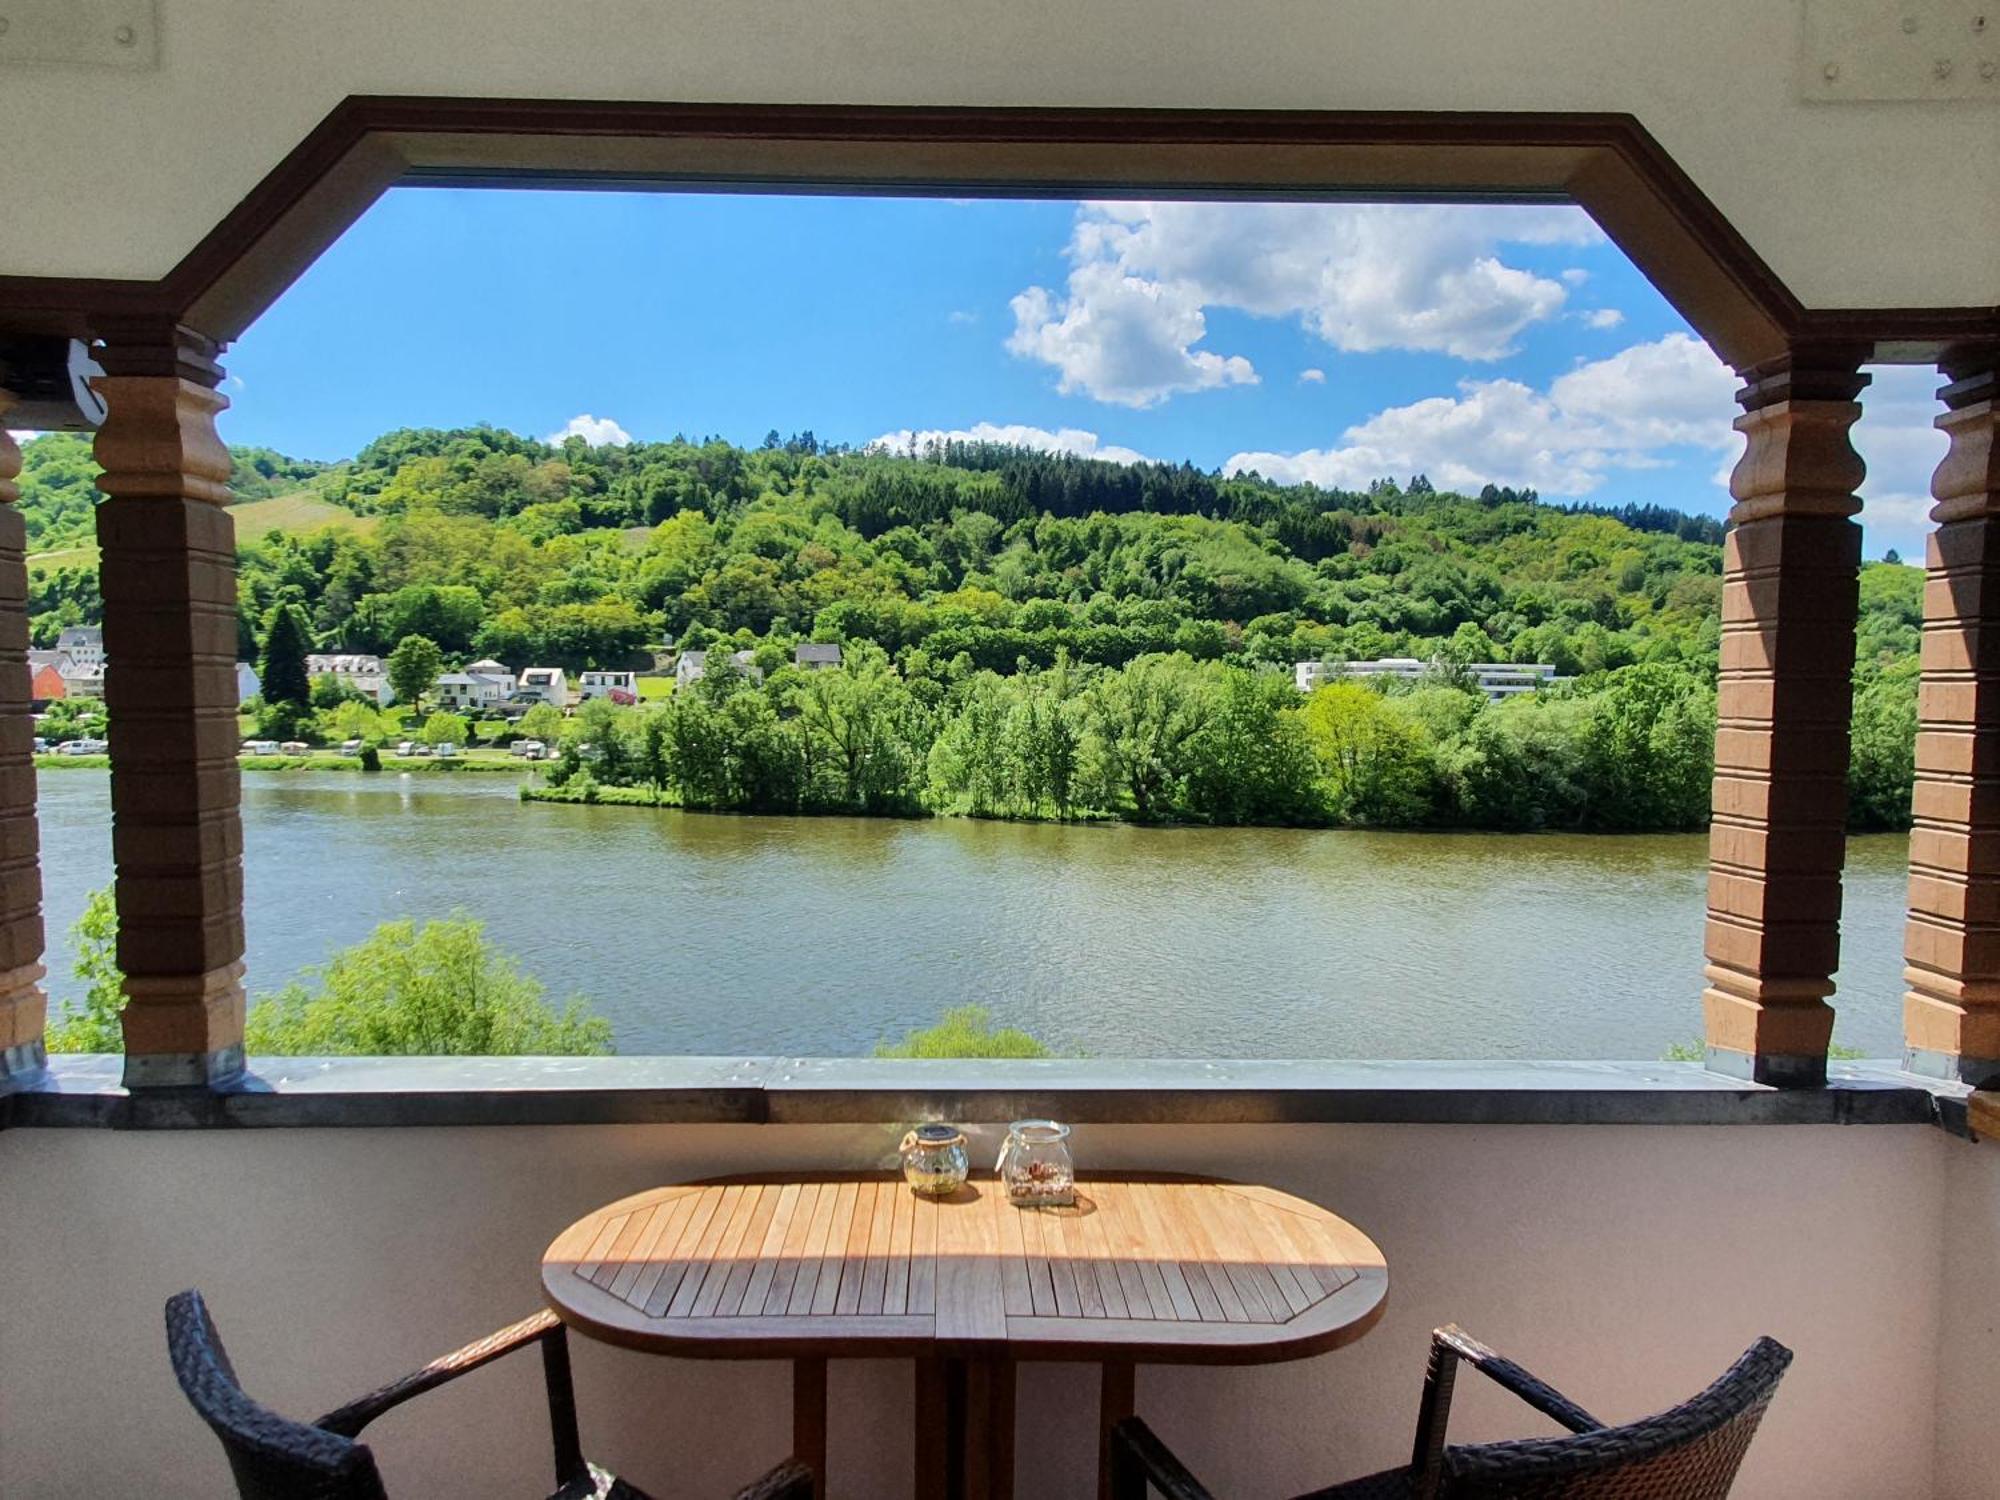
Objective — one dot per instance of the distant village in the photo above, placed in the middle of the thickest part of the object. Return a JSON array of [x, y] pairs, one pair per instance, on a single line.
[[75, 669]]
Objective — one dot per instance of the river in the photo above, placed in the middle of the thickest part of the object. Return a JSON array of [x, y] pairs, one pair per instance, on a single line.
[[710, 934]]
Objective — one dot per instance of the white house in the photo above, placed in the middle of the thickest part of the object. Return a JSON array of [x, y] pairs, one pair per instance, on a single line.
[[80, 680], [79, 661], [360, 674], [483, 685], [83, 645], [693, 666], [815, 657], [595, 684], [1496, 680], [495, 672], [548, 685]]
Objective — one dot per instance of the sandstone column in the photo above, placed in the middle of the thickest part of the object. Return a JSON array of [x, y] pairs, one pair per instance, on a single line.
[[23, 1009], [168, 572], [1951, 1014], [1790, 580]]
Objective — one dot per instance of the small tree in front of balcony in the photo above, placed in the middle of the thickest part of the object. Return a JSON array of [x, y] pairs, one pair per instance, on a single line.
[[436, 990], [92, 1024]]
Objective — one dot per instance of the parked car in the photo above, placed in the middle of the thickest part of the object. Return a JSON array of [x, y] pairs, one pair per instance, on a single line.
[[446, 751], [529, 749], [350, 747], [40, 744], [295, 747], [260, 747], [83, 747], [407, 748]]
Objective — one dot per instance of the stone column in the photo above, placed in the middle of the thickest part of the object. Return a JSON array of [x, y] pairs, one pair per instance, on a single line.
[[1951, 1013], [168, 572], [23, 1008], [1791, 567]]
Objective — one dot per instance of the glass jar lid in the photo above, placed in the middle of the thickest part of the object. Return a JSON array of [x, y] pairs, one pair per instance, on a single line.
[[936, 1137]]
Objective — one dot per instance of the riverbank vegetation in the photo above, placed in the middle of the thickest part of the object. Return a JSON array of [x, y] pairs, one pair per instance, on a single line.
[[1164, 738], [1035, 635]]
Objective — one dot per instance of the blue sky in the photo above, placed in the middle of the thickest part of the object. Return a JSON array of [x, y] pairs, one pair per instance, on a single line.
[[1326, 342]]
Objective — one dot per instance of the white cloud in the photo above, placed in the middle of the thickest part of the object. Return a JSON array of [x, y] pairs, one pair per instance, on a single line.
[[235, 383], [1013, 435], [1615, 413], [1362, 277], [599, 432], [1897, 440], [1575, 276], [1604, 317], [1312, 377], [961, 318], [1122, 339]]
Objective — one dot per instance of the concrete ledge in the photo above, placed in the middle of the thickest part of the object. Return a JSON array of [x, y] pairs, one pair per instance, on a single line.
[[87, 1092]]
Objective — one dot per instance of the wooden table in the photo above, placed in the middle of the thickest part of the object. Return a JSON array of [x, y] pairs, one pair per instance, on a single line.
[[816, 1266]]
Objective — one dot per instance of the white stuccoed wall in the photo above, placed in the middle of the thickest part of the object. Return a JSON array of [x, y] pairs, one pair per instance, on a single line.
[[115, 173], [1627, 1264]]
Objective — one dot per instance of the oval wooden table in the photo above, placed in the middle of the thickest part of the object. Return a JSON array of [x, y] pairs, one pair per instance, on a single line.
[[1145, 1269]]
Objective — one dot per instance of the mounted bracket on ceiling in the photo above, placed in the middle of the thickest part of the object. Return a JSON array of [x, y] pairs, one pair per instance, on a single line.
[[1851, 51], [50, 379], [81, 33]]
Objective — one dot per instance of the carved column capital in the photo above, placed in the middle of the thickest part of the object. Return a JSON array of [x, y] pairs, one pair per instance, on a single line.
[[1797, 457], [1967, 481], [23, 1007], [159, 439], [10, 454]]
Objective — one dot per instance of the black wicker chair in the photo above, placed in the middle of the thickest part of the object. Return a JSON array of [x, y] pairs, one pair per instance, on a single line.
[[1689, 1453], [274, 1458]]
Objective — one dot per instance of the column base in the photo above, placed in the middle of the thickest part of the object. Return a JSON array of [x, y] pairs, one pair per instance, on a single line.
[[184, 1031], [1778, 1070], [1779, 1040], [1953, 1067], [23, 1065], [171, 1070]]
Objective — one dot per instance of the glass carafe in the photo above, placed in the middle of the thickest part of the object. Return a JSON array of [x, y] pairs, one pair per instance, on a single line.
[[1035, 1165]]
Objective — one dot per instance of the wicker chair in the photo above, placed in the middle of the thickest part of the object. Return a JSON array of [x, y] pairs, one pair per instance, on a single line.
[[1689, 1453], [274, 1458]]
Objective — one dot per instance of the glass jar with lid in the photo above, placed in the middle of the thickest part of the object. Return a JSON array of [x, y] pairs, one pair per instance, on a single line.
[[1035, 1165], [934, 1160]]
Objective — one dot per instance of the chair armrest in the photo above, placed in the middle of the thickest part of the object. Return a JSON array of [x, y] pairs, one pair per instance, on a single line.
[[791, 1480], [1503, 1372], [348, 1420], [1138, 1459], [1452, 1346]]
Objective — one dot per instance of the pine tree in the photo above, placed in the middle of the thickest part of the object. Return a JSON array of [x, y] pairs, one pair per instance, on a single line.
[[283, 667]]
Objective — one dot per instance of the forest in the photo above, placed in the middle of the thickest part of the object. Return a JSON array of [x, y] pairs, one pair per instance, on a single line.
[[1026, 634]]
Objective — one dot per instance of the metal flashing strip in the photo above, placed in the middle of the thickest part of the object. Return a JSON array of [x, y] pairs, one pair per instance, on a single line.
[[397, 1092]]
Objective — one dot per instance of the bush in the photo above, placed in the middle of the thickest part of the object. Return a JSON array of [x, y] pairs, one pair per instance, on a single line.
[[431, 991], [966, 1031], [92, 1025]]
